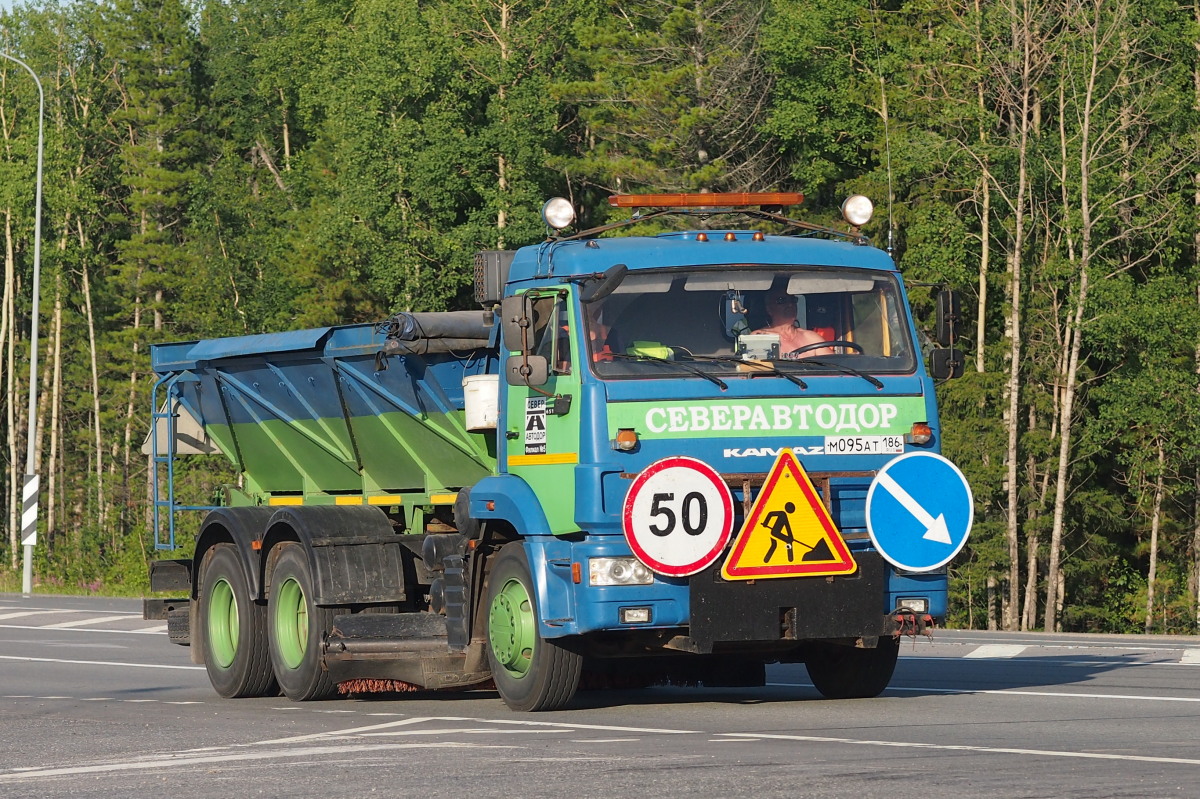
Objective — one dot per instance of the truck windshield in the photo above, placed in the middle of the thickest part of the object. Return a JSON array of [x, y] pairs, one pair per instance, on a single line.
[[809, 320]]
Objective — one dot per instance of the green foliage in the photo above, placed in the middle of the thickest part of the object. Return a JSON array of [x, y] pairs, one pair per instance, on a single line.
[[242, 166], [672, 97]]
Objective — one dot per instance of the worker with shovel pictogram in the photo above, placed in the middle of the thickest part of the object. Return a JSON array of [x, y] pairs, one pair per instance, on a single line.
[[781, 531]]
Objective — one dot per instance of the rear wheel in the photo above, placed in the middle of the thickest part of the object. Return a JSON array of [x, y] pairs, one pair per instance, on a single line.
[[233, 628], [847, 672], [531, 673], [296, 629]]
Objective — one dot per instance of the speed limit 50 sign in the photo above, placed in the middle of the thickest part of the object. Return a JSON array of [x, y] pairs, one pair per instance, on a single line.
[[678, 516]]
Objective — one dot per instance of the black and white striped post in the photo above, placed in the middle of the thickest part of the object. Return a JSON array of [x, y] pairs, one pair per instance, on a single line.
[[30, 490], [29, 514]]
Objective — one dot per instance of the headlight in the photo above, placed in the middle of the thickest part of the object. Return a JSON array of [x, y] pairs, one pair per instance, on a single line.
[[618, 571], [857, 210], [558, 213]]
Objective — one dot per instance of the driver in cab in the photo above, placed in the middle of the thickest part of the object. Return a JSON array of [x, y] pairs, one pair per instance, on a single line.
[[781, 316]]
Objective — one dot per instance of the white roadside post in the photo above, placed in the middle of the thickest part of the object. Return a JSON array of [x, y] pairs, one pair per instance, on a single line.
[[29, 492]]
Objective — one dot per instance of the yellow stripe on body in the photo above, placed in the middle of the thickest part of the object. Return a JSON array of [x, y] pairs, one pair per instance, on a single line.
[[552, 459]]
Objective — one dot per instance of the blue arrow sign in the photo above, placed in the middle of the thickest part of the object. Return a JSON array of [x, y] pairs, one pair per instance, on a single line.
[[919, 511]]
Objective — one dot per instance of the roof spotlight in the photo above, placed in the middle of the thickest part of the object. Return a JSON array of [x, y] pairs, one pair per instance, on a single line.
[[857, 210], [558, 213]]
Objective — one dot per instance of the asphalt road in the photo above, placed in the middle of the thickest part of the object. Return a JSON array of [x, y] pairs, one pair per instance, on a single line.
[[94, 701]]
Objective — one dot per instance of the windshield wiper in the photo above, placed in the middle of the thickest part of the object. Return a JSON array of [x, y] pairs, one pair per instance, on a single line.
[[758, 367], [837, 366], [681, 364]]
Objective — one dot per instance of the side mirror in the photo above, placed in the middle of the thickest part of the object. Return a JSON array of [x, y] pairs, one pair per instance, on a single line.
[[527, 370], [949, 316], [516, 313], [946, 364], [601, 288]]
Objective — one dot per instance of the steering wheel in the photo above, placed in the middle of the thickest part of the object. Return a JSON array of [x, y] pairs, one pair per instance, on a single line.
[[823, 344]]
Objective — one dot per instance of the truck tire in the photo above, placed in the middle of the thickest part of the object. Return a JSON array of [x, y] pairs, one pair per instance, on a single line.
[[847, 672], [296, 628], [233, 634], [530, 672]]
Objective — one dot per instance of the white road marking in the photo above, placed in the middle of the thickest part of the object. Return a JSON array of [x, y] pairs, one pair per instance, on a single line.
[[351, 731], [1057, 663], [1070, 695], [21, 613], [1011, 692], [1191, 657], [559, 727], [100, 663], [465, 731], [108, 699], [84, 622], [71, 629], [576, 726], [174, 760], [996, 651], [162, 628], [997, 750], [3, 607]]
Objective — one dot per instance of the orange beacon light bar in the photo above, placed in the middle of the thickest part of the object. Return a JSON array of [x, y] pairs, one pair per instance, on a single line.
[[711, 200]]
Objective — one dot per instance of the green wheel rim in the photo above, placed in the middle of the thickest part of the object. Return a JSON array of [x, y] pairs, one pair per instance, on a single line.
[[291, 623], [223, 623], [511, 629]]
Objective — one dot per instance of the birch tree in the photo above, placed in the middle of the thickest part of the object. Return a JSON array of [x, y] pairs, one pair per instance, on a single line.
[[1112, 75]]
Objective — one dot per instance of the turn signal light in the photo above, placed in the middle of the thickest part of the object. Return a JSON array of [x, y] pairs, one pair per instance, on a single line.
[[705, 200], [626, 440], [921, 434]]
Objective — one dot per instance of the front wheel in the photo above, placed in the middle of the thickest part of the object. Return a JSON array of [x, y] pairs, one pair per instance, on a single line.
[[847, 672], [296, 628], [530, 672], [233, 628]]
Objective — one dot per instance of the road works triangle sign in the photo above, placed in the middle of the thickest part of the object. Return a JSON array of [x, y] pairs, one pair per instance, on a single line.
[[788, 533]]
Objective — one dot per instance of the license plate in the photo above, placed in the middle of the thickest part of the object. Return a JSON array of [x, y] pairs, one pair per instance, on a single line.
[[864, 445]]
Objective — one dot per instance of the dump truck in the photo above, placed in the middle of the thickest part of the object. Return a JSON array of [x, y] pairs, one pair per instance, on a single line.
[[620, 470]]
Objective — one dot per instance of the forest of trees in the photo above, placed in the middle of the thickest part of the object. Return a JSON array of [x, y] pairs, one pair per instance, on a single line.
[[222, 167]]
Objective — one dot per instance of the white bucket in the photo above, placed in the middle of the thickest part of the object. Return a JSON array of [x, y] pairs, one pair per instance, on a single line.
[[481, 395]]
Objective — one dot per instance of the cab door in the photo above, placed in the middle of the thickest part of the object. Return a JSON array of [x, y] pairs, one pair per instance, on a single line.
[[542, 433]]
